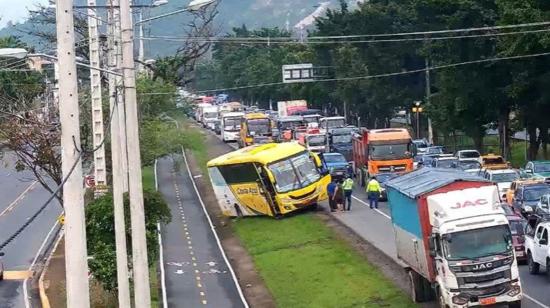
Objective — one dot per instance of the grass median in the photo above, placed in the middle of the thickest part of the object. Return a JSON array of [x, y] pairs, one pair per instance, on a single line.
[[305, 265]]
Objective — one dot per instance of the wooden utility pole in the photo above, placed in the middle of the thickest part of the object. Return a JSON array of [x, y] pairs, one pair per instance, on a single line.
[[76, 263]]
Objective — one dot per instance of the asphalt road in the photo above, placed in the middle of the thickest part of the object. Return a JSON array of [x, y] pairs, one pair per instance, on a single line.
[[196, 274], [20, 198], [375, 227]]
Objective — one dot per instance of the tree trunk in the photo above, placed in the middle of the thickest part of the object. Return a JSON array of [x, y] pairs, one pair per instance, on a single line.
[[478, 142], [544, 139], [533, 142], [503, 132]]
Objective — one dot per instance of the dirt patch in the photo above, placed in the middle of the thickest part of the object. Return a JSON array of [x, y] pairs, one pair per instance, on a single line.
[[54, 279], [253, 286]]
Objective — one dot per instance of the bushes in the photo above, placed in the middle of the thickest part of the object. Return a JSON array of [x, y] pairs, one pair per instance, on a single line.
[[100, 230]]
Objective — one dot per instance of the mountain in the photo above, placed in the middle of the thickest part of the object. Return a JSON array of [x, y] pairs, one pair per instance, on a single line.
[[232, 13]]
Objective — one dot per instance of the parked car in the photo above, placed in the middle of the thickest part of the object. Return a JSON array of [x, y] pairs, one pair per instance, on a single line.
[[469, 166], [527, 197], [543, 207], [420, 146], [538, 169], [517, 228], [503, 178], [336, 164], [435, 150], [469, 155], [536, 245], [495, 162], [445, 162]]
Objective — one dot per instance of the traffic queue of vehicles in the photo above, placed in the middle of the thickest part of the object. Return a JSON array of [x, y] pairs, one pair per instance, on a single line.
[[459, 219]]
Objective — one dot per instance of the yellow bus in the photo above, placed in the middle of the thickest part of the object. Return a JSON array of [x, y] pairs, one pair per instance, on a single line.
[[256, 128], [270, 179]]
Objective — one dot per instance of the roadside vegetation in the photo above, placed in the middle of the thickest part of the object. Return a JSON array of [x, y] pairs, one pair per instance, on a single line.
[[305, 265]]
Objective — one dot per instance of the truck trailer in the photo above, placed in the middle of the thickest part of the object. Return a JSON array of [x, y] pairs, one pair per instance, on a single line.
[[453, 235]]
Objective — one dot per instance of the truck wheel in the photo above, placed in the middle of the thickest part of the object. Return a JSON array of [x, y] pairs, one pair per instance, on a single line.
[[417, 287], [533, 266], [515, 304], [440, 299]]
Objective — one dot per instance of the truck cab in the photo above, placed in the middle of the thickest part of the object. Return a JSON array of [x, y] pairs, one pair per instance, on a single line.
[[455, 239], [537, 247]]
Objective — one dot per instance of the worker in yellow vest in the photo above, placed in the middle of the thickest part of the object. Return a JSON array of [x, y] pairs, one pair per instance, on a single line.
[[348, 190], [373, 191]]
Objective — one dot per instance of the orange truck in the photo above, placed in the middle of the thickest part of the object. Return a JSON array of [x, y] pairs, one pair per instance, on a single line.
[[381, 151]]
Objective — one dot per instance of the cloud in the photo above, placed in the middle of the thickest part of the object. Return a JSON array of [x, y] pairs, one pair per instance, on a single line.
[[16, 11]]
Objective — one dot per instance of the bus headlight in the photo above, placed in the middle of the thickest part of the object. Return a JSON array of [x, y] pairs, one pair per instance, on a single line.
[[514, 290], [460, 299]]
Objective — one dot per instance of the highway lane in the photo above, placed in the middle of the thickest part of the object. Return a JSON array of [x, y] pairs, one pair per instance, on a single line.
[[196, 272], [19, 201], [375, 227]]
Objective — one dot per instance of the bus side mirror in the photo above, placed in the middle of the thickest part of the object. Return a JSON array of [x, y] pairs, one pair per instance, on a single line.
[[317, 160]]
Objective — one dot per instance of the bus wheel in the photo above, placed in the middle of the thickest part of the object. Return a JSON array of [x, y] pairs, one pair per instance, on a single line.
[[315, 207]]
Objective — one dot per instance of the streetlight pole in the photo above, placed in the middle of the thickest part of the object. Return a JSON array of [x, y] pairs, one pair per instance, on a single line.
[[137, 216], [417, 109], [76, 262]]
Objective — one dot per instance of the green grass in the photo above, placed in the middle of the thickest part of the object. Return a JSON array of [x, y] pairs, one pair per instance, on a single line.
[[305, 265], [148, 176], [154, 283]]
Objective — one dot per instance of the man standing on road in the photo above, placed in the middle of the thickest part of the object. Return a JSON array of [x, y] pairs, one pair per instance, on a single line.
[[331, 189], [373, 191], [348, 189]]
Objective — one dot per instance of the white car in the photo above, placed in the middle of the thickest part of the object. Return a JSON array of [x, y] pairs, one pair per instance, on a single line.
[[503, 178], [537, 247], [469, 155]]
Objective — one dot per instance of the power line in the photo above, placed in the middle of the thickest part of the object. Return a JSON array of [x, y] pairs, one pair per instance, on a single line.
[[444, 66]]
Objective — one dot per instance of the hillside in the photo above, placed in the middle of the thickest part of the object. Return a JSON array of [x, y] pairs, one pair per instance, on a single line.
[[232, 13]]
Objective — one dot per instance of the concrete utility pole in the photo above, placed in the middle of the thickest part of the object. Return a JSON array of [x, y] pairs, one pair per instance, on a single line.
[[141, 50], [118, 172], [120, 97], [76, 263], [98, 133], [139, 246]]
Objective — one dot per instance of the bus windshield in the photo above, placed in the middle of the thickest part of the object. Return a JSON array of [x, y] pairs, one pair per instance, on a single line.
[[285, 125], [294, 173], [390, 151], [232, 124], [258, 126]]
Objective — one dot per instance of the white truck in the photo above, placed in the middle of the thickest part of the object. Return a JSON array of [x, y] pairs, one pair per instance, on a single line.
[[536, 245], [210, 117], [454, 238]]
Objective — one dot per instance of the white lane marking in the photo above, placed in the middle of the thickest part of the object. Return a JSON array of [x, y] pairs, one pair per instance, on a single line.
[[25, 291], [161, 254], [388, 217], [535, 301], [12, 205], [377, 210], [241, 295]]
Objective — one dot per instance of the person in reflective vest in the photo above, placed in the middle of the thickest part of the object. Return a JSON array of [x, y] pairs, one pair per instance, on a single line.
[[373, 191], [348, 190]]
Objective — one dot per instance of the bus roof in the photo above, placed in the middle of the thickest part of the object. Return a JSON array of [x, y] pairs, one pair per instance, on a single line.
[[263, 154], [389, 134], [255, 115]]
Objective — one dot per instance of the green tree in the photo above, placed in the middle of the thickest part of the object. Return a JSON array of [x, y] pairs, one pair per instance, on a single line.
[[100, 231]]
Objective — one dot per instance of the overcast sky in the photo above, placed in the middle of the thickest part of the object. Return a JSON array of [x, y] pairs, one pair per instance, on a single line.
[[15, 10]]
